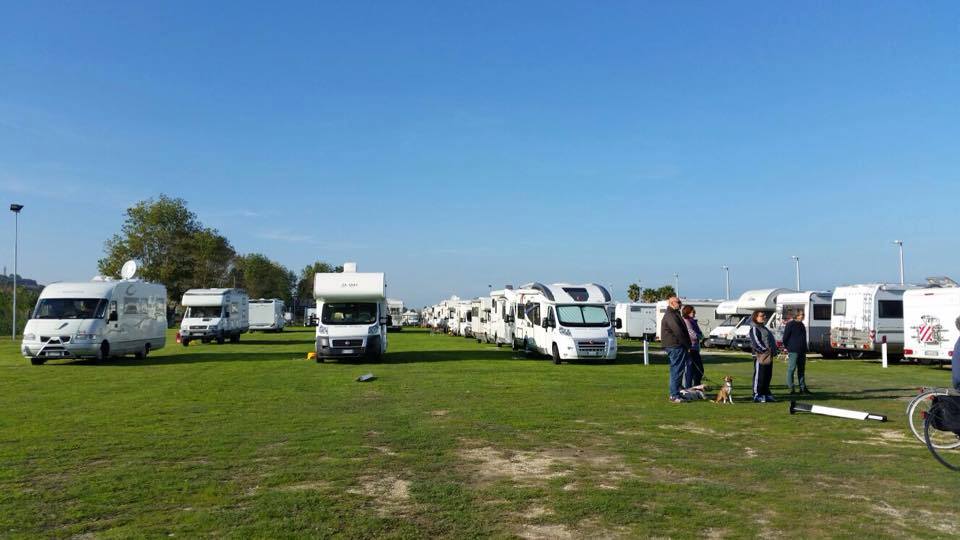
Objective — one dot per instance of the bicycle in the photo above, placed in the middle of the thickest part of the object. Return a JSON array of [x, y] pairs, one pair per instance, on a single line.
[[941, 428], [918, 407]]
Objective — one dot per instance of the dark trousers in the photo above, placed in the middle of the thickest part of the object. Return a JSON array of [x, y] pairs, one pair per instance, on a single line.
[[797, 361], [693, 375], [761, 378]]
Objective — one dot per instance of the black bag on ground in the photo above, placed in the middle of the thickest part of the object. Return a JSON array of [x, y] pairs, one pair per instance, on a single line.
[[945, 413]]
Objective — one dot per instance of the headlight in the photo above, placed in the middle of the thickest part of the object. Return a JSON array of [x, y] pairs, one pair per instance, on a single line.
[[610, 332], [322, 330], [86, 336], [213, 328], [564, 331], [29, 337], [374, 330]]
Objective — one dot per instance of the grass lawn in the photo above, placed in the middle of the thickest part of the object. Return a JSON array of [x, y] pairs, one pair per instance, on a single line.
[[453, 439]]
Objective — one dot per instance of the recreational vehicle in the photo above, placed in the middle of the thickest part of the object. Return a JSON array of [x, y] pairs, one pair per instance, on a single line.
[[310, 316], [930, 321], [353, 314], [481, 319], [267, 315], [865, 316], [395, 308], [764, 300], [721, 336], [815, 306], [566, 322], [410, 318], [706, 314], [505, 305], [214, 315], [638, 320], [96, 319], [460, 319]]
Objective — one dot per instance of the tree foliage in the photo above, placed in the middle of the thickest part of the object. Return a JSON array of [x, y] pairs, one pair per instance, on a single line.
[[655, 295], [633, 292], [305, 283], [263, 278]]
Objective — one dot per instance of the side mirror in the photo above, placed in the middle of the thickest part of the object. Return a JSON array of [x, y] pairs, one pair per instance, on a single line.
[[113, 317], [226, 315], [619, 323]]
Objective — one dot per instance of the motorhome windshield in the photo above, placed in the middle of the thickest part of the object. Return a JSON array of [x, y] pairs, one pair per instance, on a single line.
[[583, 316], [349, 313], [70, 308], [732, 320], [202, 312]]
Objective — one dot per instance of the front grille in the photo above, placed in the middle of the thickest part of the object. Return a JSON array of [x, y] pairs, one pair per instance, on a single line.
[[63, 339], [347, 343], [198, 327], [591, 347]]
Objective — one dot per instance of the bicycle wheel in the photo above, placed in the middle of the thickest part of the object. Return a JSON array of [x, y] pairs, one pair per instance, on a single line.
[[944, 445], [918, 407]]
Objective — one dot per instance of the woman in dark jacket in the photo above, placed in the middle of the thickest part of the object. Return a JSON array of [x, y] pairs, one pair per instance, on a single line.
[[693, 375], [764, 347]]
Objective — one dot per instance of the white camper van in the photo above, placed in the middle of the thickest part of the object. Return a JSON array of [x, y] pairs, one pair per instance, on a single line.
[[706, 314], [566, 322], [758, 300], [503, 312], [96, 319], [460, 322], [929, 320], [815, 306], [310, 316], [721, 336], [866, 315], [480, 322], [395, 309], [353, 314], [214, 315], [638, 320], [410, 318], [267, 315]]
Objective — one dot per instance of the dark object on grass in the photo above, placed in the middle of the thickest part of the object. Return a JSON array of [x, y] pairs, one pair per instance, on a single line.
[[366, 378], [831, 411]]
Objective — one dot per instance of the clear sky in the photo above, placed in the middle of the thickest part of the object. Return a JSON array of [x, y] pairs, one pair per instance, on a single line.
[[455, 145]]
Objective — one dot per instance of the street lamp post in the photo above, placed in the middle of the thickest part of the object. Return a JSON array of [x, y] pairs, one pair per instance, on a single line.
[[676, 284], [899, 244], [726, 270], [796, 261], [15, 208]]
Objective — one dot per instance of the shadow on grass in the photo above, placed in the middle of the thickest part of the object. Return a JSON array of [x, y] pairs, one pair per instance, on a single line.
[[182, 358], [278, 342]]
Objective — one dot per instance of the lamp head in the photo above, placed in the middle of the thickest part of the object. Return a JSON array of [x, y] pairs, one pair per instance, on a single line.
[[16, 208]]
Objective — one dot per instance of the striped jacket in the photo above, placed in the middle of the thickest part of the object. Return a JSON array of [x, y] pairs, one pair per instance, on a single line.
[[761, 339]]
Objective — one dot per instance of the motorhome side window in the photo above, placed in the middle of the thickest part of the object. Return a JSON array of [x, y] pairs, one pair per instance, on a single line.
[[890, 309], [840, 307], [821, 312], [130, 306], [719, 317], [533, 312]]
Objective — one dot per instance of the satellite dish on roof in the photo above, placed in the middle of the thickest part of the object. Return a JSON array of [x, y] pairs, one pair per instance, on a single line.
[[129, 269]]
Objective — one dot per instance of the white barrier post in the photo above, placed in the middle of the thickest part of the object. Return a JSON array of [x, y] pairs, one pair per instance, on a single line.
[[646, 353], [883, 351]]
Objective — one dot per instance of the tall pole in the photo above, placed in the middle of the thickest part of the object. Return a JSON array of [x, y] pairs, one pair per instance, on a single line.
[[796, 260], [899, 244], [15, 208], [726, 270], [676, 284]]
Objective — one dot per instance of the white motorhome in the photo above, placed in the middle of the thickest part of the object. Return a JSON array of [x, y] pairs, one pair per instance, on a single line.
[[310, 316], [638, 320], [395, 308], [410, 318], [96, 319], [707, 317], [929, 319], [353, 314], [566, 322], [815, 306], [267, 315], [480, 321], [503, 313], [214, 315], [866, 315], [460, 320], [721, 336], [764, 300]]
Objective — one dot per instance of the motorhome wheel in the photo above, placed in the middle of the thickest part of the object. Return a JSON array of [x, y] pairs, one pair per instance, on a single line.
[[220, 339], [556, 354], [235, 338], [104, 352], [38, 361], [185, 342], [142, 354]]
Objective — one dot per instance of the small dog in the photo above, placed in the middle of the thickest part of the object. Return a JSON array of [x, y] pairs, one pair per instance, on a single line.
[[725, 395]]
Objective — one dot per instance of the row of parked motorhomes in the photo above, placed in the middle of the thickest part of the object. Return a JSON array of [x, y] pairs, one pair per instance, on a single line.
[[565, 321]]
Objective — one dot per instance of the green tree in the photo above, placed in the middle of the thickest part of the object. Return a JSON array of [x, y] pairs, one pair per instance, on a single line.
[[263, 278], [633, 292], [305, 283], [655, 295], [26, 301], [213, 259]]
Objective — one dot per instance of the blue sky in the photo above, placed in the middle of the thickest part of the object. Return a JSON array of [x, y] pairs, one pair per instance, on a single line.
[[456, 145]]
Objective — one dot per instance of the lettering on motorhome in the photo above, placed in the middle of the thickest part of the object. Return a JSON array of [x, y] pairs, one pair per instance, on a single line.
[[350, 284]]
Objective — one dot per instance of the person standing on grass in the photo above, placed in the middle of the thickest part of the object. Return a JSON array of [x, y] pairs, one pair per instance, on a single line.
[[676, 341], [764, 346], [955, 360], [795, 342], [693, 375]]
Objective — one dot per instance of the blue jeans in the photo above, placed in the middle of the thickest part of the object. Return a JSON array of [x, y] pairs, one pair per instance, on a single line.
[[694, 369], [797, 361], [678, 362]]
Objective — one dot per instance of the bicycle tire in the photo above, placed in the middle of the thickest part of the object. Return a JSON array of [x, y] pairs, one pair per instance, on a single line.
[[947, 454], [914, 420]]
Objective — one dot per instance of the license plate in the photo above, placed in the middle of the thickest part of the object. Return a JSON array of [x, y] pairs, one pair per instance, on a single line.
[[348, 351], [931, 353], [54, 353]]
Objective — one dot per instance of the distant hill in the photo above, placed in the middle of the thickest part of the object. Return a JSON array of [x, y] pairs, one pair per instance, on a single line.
[[22, 282]]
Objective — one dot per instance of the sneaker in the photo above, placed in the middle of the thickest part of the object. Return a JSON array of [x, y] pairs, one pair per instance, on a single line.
[[759, 399], [769, 399], [805, 391], [676, 399]]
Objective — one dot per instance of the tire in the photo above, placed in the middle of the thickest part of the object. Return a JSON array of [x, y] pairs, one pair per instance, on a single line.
[[38, 361], [556, 355], [220, 339], [919, 408], [235, 338], [499, 344], [944, 445], [205, 340], [185, 342], [146, 350], [104, 352]]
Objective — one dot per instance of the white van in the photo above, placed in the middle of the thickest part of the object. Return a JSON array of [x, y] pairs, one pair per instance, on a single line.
[[929, 319], [566, 322], [460, 321], [815, 306], [310, 316], [764, 300], [353, 314], [638, 320], [267, 315], [96, 319], [214, 315], [866, 315], [503, 313], [480, 321], [395, 310], [410, 318], [721, 335], [706, 314]]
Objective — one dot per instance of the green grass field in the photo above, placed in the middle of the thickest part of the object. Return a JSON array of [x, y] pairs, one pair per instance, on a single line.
[[453, 439]]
